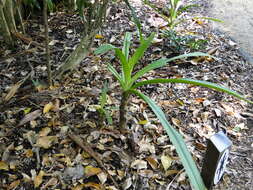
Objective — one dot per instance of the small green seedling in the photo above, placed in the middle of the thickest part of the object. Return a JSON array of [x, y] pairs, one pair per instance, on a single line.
[[173, 10], [103, 111]]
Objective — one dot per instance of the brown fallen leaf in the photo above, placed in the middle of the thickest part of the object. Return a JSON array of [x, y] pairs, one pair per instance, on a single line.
[[93, 185], [4, 166], [45, 131], [14, 184], [90, 171], [29, 117], [48, 107], [46, 141], [29, 153], [171, 172], [166, 161], [38, 179], [12, 91], [52, 182], [15, 88], [176, 121], [152, 162]]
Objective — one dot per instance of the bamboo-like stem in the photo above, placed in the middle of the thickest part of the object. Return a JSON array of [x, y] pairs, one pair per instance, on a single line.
[[18, 7], [49, 72], [123, 110], [5, 28]]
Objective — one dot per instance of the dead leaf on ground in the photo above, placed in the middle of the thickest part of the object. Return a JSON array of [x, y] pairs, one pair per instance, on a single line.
[[12, 91], [46, 141], [4, 166], [94, 185], [48, 107], [52, 182], [14, 184], [45, 131], [29, 117], [90, 171], [139, 164], [38, 179], [166, 161], [152, 162]]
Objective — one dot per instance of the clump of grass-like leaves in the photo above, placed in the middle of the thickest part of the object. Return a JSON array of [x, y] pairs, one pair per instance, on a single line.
[[129, 85]]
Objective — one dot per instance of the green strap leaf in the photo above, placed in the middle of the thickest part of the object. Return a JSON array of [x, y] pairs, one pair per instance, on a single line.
[[162, 62], [116, 74], [209, 18], [126, 45], [124, 63], [194, 82], [140, 51], [135, 19], [104, 48], [178, 141]]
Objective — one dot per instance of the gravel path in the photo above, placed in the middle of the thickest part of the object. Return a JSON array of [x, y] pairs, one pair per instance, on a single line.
[[238, 22]]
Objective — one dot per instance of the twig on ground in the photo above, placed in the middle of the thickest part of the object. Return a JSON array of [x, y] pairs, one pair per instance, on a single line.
[[168, 187], [87, 148]]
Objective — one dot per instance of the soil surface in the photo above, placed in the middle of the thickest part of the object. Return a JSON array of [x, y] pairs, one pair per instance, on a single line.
[[238, 22], [37, 149]]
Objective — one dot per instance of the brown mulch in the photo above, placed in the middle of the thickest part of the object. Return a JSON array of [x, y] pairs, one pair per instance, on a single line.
[[37, 151]]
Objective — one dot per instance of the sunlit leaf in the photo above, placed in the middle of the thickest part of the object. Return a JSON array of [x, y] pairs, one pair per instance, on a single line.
[[90, 171], [46, 141], [38, 179], [166, 162], [4, 166], [143, 122], [45, 131], [48, 107], [99, 36], [14, 184]]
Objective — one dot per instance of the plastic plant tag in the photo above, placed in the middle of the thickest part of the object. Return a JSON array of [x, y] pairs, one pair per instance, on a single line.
[[215, 159]]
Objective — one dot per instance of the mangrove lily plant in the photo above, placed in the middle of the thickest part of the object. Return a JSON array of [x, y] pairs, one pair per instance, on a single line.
[[129, 84]]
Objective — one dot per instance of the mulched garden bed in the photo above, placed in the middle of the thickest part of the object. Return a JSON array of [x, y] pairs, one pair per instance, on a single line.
[[37, 151]]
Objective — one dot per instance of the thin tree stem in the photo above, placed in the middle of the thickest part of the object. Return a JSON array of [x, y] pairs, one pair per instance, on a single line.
[[122, 110], [49, 72]]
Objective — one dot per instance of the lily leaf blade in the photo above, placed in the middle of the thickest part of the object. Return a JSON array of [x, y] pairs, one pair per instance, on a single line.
[[163, 61], [104, 48], [126, 44], [178, 141], [194, 82], [116, 74], [124, 64], [140, 51]]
